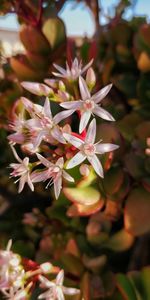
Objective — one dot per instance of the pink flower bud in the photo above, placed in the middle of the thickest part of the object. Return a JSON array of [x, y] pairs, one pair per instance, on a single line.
[[84, 170], [90, 78], [39, 89]]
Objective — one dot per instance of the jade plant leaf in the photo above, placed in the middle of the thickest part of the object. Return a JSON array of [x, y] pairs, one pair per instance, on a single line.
[[125, 287], [120, 241], [54, 31], [83, 196], [137, 212]]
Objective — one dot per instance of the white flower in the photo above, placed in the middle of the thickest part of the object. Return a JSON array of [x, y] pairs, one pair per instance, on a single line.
[[11, 270], [17, 293], [56, 290], [88, 105], [88, 149], [74, 72], [43, 124], [22, 170], [54, 172]]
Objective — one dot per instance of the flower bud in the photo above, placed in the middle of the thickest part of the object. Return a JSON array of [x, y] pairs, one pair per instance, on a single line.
[[61, 86], [84, 170], [90, 78], [52, 83], [38, 89]]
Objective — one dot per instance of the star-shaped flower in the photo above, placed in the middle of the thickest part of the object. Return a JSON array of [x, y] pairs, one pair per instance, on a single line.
[[89, 105], [21, 170], [43, 124], [56, 290], [88, 149], [74, 72], [54, 172]]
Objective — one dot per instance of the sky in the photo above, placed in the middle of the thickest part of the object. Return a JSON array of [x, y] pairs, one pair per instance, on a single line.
[[78, 18]]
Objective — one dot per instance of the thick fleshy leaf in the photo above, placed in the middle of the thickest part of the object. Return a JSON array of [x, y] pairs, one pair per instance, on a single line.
[[113, 180], [76, 210], [137, 212], [54, 31], [86, 286], [72, 264], [120, 241], [84, 196], [125, 287]]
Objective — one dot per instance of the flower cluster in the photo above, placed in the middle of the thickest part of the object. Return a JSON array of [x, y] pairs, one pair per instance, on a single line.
[[17, 278], [54, 147]]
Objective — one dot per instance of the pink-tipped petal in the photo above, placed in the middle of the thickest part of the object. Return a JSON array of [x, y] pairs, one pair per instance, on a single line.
[[60, 162], [58, 186], [76, 142], [22, 182], [102, 113], [85, 117], [102, 148], [44, 161], [57, 135], [84, 89], [76, 160], [63, 115], [70, 291], [91, 132], [60, 278], [59, 293], [71, 105], [96, 164], [40, 176], [29, 181], [15, 154], [67, 176], [60, 69], [87, 66], [47, 108], [99, 96]]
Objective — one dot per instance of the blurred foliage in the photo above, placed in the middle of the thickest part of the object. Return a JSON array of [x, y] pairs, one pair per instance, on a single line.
[[96, 243]]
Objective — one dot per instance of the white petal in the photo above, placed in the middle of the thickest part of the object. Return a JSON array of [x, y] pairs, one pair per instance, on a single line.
[[102, 113], [96, 164], [30, 184], [87, 66], [76, 160], [57, 186], [15, 154], [60, 69], [47, 109], [57, 135], [102, 148], [45, 282], [84, 89], [44, 161], [102, 93], [84, 120], [58, 75], [67, 176], [60, 295], [22, 182], [70, 291], [91, 132], [76, 142], [40, 176], [63, 115], [60, 162], [60, 278], [71, 104]]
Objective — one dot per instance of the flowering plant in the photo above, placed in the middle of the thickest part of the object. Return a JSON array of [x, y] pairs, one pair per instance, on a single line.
[[38, 131]]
